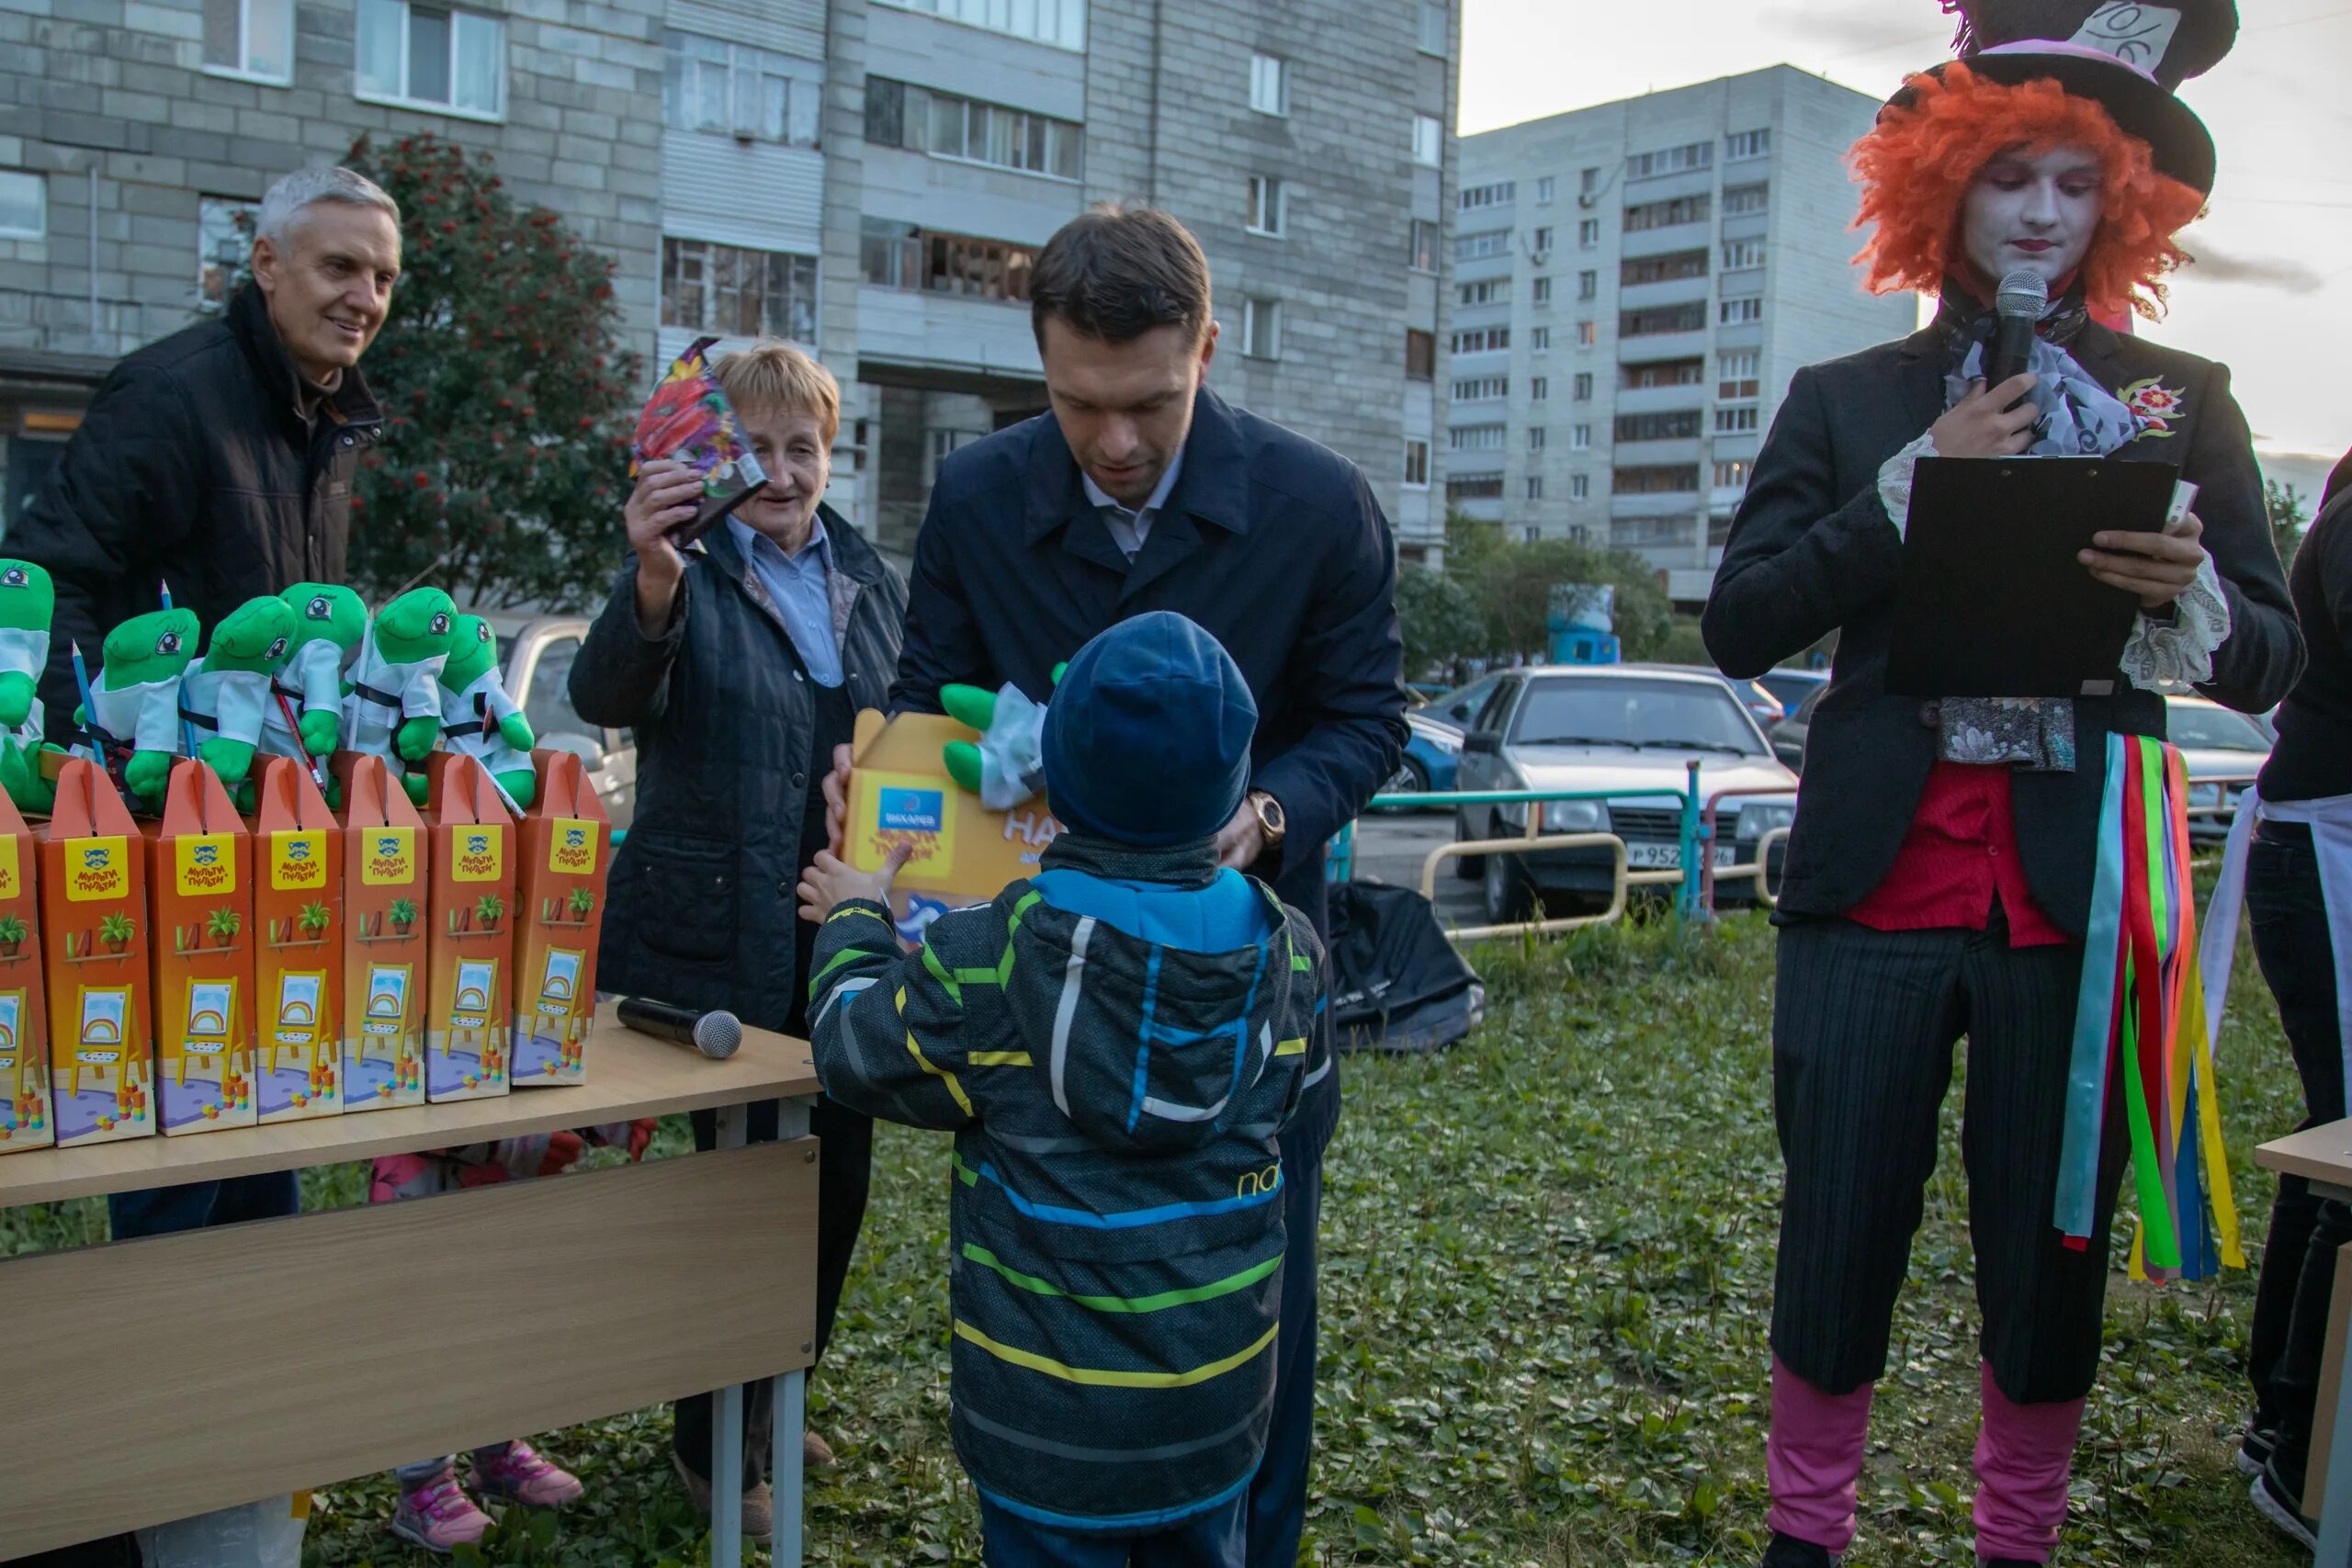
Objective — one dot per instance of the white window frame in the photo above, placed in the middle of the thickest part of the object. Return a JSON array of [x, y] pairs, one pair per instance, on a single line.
[[1740, 312], [709, 323], [39, 184], [1544, 187], [1579, 487], [1539, 339], [1429, 140], [1589, 234], [1741, 144], [1269, 313], [1588, 334], [1535, 437], [1267, 198], [1056, 24], [1740, 479], [747, 68], [1739, 372], [1539, 388], [1543, 294], [1582, 390], [1412, 443], [457, 50], [1270, 84], [1536, 487], [1486, 291], [1478, 438], [1588, 284], [1413, 247], [1740, 254], [1580, 438], [1444, 14], [241, 71], [1742, 419]]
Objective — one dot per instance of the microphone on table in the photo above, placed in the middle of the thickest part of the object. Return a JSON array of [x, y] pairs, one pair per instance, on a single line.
[[716, 1034], [2024, 296]]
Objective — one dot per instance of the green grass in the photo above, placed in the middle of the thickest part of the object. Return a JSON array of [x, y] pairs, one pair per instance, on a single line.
[[1546, 1283]]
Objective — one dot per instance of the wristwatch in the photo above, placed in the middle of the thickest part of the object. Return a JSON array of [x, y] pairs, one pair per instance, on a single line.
[[1272, 823]]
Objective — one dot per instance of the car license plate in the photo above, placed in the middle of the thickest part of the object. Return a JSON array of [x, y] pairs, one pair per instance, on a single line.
[[1668, 857]]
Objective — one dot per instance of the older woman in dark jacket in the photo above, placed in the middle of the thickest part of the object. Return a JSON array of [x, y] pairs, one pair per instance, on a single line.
[[740, 662]]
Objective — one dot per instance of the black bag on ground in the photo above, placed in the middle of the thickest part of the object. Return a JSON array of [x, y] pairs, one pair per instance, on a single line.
[[1397, 983]]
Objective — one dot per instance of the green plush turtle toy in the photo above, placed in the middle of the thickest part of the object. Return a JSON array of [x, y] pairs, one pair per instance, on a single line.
[[1006, 766], [26, 601], [329, 622], [478, 719], [225, 694], [135, 703], [394, 708]]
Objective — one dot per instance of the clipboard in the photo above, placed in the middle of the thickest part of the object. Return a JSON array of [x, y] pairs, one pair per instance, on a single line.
[[1991, 600]]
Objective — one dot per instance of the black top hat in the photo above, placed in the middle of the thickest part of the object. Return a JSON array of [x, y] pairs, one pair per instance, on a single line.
[[2130, 58]]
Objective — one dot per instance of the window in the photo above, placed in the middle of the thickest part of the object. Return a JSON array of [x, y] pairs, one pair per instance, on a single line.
[[1421, 355], [732, 89], [1424, 245], [901, 256], [1268, 83], [1534, 492], [1583, 389], [249, 38], [1746, 199], [1543, 241], [1498, 194], [1493, 291], [1734, 312], [1579, 487], [1481, 388], [1474, 487], [944, 443], [1535, 439], [1689, 317], [1436, 27], [1588, 285], [1261, 329], [1429, 140], [1482, 340], [1735, 421], [1417, 463], [1665, 373], [1662, 269], [1731, 475], [738, 293], [453, 61], [1589, 232], [900, 115], [1062, 23], [1672, 161], [1543, 191], [24, 205], [1265, 205], [1590, 182], [1539, 338], [1532, 533], [1742, 253], [221, 244], [1543, 295], [1587, 333], [1580, 438], [1666, 480], [1747, 144], [1736, 373], [1682, 424], [1666, 214], [1485, 242], [1539, 390], [1478, 437]]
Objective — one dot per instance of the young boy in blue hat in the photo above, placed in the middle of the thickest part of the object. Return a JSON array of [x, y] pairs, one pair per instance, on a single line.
[[1115, 1044]]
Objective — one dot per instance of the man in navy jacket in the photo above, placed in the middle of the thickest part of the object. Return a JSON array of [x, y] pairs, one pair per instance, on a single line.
[[1142, 490]]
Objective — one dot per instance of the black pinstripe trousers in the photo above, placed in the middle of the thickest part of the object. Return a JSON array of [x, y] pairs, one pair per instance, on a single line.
[[1863, 1026]]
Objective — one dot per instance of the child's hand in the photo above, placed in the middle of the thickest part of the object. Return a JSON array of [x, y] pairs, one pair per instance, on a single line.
[[830, 883]]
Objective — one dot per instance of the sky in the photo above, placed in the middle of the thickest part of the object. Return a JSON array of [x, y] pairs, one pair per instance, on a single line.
[[2271, 293]]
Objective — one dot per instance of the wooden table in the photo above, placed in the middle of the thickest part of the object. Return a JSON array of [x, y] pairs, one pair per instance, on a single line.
[[2323, 1158], [153, 1378]]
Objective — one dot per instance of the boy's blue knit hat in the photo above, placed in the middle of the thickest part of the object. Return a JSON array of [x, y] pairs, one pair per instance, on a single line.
[[1148, 737]]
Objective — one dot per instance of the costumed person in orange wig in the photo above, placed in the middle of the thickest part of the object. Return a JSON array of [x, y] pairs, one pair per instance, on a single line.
[[1948, 872]]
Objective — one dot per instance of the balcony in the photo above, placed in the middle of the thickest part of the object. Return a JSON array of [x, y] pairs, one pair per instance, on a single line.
[[1664, 346], [1673, 237], [1660, 400], [1682, 503], [1672, 291], [1645, 454]]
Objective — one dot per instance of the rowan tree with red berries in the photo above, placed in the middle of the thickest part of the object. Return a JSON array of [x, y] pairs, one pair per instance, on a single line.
[[508, 397]]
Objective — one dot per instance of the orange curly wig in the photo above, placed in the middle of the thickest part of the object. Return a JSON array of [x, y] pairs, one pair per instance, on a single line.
[[1917, 165]]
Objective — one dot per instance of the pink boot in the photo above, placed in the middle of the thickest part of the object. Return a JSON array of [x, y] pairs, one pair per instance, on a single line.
[[520, 1474], [438, 1515], [1812, 1458], [2024, 1456]]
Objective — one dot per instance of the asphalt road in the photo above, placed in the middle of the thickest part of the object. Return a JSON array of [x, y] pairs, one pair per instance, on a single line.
[[1391, 846]]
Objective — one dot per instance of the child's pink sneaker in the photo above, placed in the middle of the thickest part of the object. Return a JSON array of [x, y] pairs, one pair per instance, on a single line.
[[521, 1474], [438, 1515]]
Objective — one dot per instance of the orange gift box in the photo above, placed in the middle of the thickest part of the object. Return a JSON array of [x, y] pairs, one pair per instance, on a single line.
[[385, 888], [24, 1121], [298, 967], [471, 947], [95, 940], [566, 852], [201, 875]]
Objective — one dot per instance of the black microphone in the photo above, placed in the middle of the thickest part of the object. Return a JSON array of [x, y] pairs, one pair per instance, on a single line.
[[715, 1034], [2024, 296]]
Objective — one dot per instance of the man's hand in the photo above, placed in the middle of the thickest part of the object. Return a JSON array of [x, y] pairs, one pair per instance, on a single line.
[[1982, 424], [1241, 842], [830, 883], [2158, 567], [667, 494], [837, 799]]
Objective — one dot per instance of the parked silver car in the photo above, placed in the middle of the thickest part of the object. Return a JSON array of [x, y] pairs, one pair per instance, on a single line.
[[536, 653]]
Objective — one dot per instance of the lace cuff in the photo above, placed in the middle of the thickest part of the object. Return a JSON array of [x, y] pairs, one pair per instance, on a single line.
[[1894, 480], [2173, 657]]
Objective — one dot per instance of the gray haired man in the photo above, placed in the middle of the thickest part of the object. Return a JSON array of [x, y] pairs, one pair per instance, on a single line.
[[219, 460]]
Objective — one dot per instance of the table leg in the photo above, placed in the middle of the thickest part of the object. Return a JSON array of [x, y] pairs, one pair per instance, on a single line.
[[726, 1442], [2335, 1507], [791, 1416]]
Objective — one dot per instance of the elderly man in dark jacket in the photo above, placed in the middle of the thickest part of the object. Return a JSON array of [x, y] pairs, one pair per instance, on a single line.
[[1143, 490]]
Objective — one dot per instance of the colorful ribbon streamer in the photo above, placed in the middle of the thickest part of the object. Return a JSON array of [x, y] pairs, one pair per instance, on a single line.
[[2140, 1019]]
